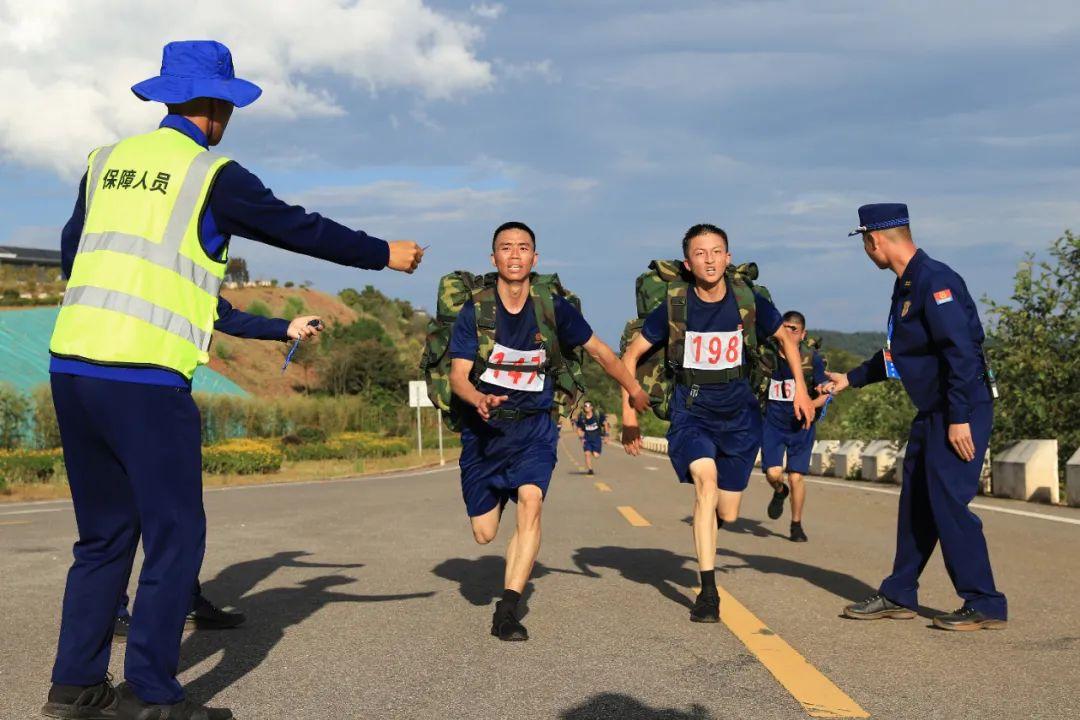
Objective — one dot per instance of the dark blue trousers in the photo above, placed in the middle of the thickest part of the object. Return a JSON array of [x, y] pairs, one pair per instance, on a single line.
[[133, 457], [937, 487]]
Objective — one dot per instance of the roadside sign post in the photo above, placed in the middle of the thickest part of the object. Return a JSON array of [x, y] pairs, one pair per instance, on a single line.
[[418, 398]]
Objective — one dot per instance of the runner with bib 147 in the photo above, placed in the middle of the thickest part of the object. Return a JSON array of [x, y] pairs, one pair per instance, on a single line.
[[719, 320]]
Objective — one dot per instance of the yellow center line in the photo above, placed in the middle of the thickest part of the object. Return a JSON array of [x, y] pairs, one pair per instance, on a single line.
[[602, 486], [15, 522], [633, 516], [817, 694]]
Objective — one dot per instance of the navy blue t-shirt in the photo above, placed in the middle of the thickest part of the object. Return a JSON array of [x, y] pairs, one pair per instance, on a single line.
[[592, 427], [782, 413], [723, 316], [518, 332]]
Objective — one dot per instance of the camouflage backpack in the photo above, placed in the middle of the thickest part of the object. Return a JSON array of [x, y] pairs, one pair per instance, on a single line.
[[667, 281], [457, 288]]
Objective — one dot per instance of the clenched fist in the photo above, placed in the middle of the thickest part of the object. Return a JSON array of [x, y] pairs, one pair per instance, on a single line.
[[405, 255]]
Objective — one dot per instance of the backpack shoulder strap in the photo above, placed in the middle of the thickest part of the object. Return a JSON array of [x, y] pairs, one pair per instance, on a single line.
[[484, 305], [543, 297], [676, 314], [744, 297]]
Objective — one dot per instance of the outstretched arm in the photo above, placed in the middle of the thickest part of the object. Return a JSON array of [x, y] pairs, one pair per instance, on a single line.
[[631, 434], [600, 352]]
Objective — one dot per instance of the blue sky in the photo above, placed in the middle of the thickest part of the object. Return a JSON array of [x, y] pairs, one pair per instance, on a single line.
[[610, 127]]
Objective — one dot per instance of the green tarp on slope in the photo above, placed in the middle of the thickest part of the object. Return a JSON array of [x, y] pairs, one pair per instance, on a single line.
[[24, 353]]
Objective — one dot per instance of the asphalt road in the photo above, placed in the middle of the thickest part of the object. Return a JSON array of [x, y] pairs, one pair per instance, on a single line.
[[368, 598]]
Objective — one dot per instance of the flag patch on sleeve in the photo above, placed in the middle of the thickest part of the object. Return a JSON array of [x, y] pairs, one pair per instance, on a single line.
[[943, 296]]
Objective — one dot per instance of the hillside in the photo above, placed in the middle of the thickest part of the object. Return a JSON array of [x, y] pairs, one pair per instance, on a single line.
[[861, 344], [255, 365]]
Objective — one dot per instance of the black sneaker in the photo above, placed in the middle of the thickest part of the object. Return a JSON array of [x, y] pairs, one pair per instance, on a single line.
[[706, 608], [131, 707], [591, 472], [121, 628], [797, 534], [96, 702], [207, 616], [967, 618], [776, 505], [876, 607], [506, 627]]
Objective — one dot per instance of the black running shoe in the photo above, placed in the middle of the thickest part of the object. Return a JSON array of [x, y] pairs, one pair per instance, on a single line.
[[876, 607], [776, 505], [121, 628], [207, 616], [591, 472], [797, 534], [968, 618], [706, 608], [73, 702], [130, 707], [505, 626]]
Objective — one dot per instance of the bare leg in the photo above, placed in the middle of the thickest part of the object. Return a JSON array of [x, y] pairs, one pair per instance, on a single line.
[[798, 495], [484, 527], [525, 544], [775, 476], [706, 497], [588, 460]]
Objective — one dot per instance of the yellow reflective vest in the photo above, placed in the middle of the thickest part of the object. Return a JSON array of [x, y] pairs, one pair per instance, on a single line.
[[143, 292]]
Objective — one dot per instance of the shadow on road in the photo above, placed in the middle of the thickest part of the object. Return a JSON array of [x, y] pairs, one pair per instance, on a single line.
[[241, 578], [743, 526], [480, 580], [270, 613], [624, 707], [662, 569], [838, 583]]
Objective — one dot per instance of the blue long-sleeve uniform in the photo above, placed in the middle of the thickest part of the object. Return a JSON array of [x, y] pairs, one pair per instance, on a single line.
[[239, 204], [935, 340]]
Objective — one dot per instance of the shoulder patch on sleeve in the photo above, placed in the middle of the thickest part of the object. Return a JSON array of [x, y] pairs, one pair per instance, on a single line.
[[943, 296]]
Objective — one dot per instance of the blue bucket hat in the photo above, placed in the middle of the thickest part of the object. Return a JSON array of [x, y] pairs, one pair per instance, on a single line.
[[881, 216], [197, 68]]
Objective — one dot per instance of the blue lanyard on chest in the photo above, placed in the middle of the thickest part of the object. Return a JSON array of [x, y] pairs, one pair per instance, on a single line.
[[890, 367]]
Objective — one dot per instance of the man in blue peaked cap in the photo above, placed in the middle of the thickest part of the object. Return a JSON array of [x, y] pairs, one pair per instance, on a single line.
[[934, 346], [145, 253]]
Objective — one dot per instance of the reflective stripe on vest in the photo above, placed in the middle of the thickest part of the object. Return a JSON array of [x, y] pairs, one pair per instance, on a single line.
[[169, 284]]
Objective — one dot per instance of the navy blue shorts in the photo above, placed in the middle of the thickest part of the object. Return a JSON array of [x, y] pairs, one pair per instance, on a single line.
[[497, 459], [594, 444], [733, 442], [798, 444]]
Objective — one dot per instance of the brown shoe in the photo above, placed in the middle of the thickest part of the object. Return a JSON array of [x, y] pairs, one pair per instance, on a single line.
[[967, 618]]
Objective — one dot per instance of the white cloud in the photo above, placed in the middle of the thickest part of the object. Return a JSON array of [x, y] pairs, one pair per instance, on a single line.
[[488, 11], [68, 66], [402, 201]]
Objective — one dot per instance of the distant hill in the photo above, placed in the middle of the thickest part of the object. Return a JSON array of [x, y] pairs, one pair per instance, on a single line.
[[862, 344]]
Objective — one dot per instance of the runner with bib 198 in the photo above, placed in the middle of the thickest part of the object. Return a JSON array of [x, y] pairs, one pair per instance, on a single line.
[[715, 430]]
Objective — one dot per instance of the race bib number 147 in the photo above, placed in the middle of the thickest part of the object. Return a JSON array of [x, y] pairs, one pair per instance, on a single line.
[[713, 350], [525, 380]]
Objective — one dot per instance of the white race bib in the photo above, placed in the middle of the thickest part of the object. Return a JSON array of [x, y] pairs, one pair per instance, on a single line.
[[527, 381], [713, 350], [782, 390]]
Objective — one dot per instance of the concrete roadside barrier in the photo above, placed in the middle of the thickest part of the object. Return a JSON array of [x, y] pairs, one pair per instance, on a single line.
[[1027, 470], [654, 444], [848, 458], [878, 461], [1072, 479], [821, 458], [898, 465]]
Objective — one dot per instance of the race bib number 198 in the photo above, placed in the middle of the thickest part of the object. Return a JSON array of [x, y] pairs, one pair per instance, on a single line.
[[525, 380], [713, 350]]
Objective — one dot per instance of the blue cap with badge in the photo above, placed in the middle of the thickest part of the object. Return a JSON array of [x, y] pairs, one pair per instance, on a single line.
[[881, 216]]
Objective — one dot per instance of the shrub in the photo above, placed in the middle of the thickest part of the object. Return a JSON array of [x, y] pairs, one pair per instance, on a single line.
[[294, 307], [29, 466], [242, 457], [258, 307], [223, 351], [347, 446], [46, 430], [289, 283], [14, 411]]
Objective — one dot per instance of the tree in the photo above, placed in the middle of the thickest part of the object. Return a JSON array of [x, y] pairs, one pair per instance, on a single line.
[[1032, 348], [236, 270], [349, 369]]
